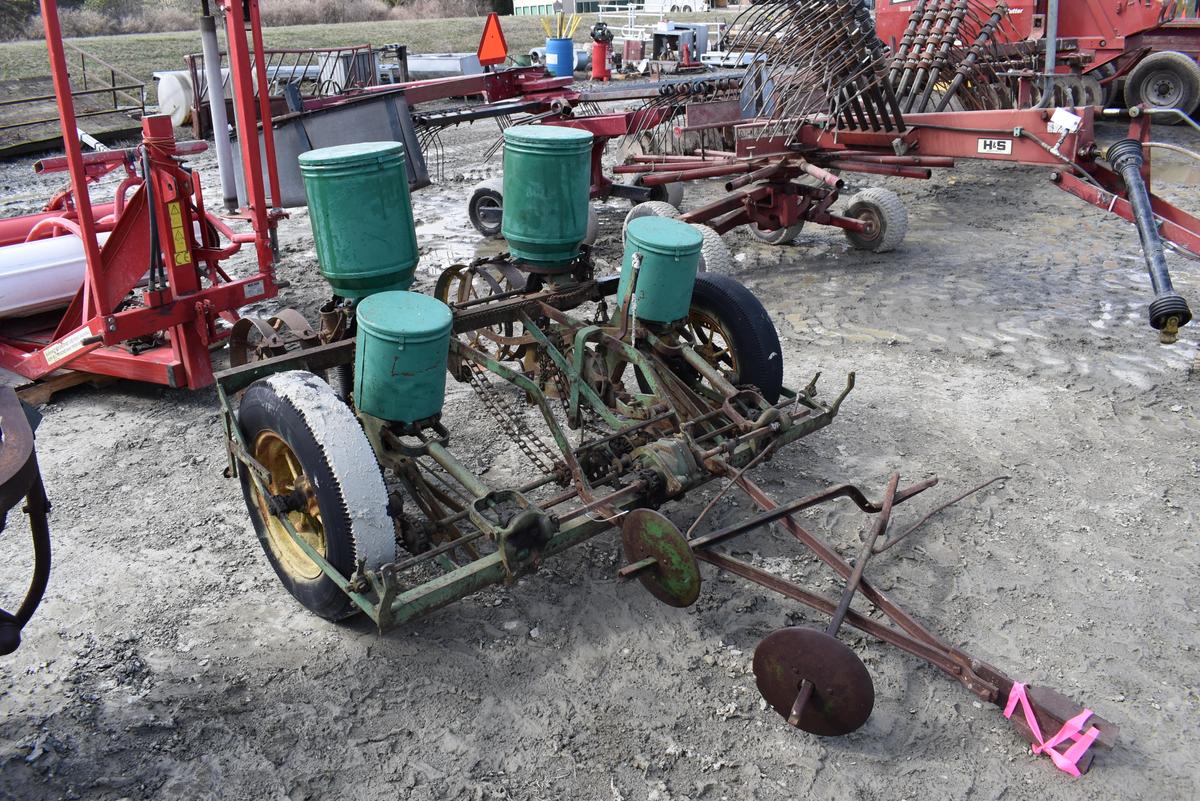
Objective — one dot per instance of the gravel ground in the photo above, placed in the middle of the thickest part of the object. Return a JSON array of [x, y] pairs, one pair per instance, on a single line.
[[1005, 337]]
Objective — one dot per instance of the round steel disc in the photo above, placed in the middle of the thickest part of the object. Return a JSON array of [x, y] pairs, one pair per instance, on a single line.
[[843, 694], [675, 578]]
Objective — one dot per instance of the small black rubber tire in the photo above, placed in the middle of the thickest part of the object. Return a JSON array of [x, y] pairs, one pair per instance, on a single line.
[[664, 193], [489, 193], [754, 339], [1169, 63], [887, 212], [335, 454]]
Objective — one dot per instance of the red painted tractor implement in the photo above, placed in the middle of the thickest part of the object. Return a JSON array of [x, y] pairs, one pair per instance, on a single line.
[[812, 111], [152, 295]]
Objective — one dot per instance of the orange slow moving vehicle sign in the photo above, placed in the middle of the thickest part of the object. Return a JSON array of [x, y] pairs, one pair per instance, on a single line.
[[492, 47]]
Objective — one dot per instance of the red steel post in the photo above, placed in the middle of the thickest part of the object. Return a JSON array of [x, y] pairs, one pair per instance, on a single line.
[[240, 72], [66, 112]]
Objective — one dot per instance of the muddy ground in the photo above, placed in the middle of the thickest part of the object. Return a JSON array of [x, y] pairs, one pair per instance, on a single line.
[[1007, 336]]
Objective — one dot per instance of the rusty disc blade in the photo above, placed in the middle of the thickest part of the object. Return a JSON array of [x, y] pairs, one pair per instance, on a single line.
[[843, 694], [675, 577]]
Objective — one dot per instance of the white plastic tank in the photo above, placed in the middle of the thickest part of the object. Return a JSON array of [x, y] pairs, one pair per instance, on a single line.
[[176, 93], [41, 275]]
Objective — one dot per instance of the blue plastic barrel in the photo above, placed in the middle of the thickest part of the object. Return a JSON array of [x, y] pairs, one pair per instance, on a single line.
[[560, 57]]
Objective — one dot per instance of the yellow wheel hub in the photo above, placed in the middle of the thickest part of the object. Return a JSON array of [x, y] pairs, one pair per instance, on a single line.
[[710, 339], [287, 476]]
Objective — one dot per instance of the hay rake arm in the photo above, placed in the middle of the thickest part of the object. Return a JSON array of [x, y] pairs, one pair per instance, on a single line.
[[819, 99]]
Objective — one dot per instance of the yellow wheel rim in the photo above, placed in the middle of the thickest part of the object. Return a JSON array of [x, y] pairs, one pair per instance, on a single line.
[[710, 339], [277, 457]]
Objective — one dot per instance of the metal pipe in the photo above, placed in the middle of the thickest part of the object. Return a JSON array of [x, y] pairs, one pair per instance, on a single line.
[[882, 169], [1168, 311], [70, 135], [758, 175], [456, 468], [1051, 54], [661, 178], [727, 203], [241, 70], [216, 107], [902, 161], [822, 175], [60, 163], [933, 654], [851, 589]]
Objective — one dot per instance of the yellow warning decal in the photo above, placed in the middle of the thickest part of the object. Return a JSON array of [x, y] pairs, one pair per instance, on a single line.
[[182, 252]]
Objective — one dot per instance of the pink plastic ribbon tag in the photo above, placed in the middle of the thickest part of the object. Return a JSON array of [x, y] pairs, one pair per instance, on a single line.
[[1065, 761]]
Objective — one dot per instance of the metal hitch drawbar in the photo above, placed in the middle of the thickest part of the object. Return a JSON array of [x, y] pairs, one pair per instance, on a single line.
[[815, 681]]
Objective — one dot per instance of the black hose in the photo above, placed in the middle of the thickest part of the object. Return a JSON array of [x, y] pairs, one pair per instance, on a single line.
[[1168, 311], [158, 277], [36, 507]]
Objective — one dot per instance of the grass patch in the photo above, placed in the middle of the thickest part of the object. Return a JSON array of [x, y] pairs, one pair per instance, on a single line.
[[143, 54]]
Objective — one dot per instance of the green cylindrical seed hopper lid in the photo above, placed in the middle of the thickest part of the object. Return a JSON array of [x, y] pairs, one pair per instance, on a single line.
[[664, 235], [350, 155], [404, 316], [400, 357], [548, 137], [666, 254]]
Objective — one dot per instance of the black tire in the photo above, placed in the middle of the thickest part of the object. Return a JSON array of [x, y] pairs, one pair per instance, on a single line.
[[748, 329], [486, 207], [664, 193], [295, 416], [1165, 80]]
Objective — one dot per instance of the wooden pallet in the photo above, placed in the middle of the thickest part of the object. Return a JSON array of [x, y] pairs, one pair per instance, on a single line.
[[40, 392]]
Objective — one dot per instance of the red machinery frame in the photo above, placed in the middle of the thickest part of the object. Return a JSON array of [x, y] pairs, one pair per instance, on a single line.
[[763, 190], [933, 140], [1097, 37], [162, 335], [1100, 30]]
